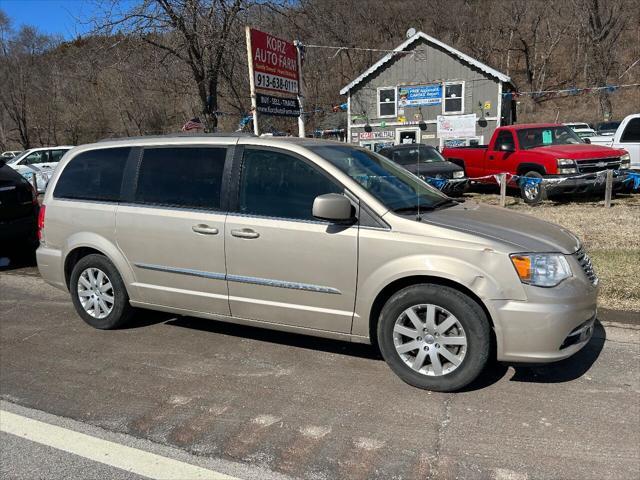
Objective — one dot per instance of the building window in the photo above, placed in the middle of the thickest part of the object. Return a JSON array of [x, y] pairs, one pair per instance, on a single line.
[[387, 102], [453, 97]]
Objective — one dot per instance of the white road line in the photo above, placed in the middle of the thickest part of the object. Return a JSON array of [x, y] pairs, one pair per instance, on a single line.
[[110, 453]]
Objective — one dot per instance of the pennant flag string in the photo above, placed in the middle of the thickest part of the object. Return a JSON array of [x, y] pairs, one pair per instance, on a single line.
[[568, 91]]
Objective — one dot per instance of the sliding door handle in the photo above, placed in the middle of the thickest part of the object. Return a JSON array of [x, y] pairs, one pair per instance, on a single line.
[[245, 233], [204, 229]]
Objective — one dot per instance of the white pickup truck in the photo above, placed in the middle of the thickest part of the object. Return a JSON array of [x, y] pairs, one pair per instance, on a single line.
[[627, 136]]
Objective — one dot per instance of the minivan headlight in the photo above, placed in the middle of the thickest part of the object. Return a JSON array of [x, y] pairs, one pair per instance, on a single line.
[[458, 174], [541, 269]]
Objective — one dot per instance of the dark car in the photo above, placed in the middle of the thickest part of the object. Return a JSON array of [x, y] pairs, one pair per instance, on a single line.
[[427, 162], [18, 212], [607, 128]]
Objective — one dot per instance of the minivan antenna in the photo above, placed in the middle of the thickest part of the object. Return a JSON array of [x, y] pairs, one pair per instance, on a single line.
[[418, 218]]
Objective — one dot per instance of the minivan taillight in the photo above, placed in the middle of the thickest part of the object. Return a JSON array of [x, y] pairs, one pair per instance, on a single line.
[[41, 213]]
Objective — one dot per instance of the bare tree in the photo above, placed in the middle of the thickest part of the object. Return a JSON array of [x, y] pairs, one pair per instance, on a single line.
[[602, 23], [196, 32]]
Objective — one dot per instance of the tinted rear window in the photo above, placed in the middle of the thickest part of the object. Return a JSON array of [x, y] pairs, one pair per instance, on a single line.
[[188, 177], [93, 175]]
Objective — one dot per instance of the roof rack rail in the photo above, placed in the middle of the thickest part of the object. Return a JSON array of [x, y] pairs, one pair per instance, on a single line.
[[179, 135]]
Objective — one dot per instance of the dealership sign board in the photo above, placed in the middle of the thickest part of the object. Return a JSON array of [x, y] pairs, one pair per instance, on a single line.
[[278, 106], [419, 95], [275, 63]]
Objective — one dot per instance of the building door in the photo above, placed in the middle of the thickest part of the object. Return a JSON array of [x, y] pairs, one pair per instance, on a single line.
[[407, 135]]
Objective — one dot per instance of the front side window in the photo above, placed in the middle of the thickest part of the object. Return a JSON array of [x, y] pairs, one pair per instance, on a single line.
[[631, 132], [390, 183], [36, 158], [387, 102], [454, 97], [275, 184], [93, 175], [544, 137], [505, 138], [188, 177]]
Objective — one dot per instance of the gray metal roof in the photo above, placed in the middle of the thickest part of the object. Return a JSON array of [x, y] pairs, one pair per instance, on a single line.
[[421, 35]]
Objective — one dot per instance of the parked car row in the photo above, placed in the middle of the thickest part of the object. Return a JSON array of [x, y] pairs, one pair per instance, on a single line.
[[544, 151], [39, 162]]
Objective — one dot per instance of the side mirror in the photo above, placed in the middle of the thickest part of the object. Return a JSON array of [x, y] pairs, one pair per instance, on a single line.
[[507, 147], [586, 140], [333, 207]]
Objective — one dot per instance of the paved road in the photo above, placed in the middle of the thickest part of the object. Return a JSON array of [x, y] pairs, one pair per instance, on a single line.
[[319, 409]]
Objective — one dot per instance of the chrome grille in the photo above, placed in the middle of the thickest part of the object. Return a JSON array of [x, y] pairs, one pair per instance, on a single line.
[[587, 267], [598, 164]]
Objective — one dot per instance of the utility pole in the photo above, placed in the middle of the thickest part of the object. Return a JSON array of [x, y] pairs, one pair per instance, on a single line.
[[301, 132], [252, 83]]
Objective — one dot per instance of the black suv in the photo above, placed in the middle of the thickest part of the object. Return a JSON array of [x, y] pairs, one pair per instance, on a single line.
[[18, 212], [427, 162]]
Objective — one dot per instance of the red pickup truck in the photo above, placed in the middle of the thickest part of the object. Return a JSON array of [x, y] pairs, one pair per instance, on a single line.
[[543, 151]]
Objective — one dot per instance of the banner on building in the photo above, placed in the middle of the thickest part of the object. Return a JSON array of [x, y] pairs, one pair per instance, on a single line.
[[419, 95], [275, 63], [277, 106], [456, 126], [377, 135]]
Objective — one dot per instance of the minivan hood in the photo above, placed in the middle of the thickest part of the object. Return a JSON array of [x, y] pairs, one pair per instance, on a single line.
[[579, 151], [524, 233]]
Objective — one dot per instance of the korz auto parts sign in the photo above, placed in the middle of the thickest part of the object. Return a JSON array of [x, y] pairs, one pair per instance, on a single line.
[[275, 63]]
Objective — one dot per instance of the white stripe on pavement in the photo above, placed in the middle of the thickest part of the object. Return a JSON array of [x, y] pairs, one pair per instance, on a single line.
[[110, 453]]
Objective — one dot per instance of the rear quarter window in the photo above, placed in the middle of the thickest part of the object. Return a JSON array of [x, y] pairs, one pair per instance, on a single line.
[[93, 175]]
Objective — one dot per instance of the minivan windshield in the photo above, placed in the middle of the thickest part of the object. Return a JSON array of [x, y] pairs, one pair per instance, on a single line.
[[395, 187], [547, 136]]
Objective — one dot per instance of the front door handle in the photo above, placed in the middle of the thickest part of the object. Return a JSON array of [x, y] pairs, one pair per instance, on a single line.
[[245, 233], [204, 229], [490, 157]]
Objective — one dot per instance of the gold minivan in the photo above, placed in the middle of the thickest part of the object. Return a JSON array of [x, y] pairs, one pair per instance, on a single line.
[[314, 237]]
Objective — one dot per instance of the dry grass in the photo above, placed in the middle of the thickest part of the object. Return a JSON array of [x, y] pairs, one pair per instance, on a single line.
[[610, 236]]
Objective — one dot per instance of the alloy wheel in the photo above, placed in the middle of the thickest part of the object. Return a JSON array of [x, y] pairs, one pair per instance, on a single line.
[[430, 339], [95, 292]]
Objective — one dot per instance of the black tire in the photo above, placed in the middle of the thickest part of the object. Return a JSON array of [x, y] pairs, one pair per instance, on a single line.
[[529, 195], [470, 316], [121, 311]]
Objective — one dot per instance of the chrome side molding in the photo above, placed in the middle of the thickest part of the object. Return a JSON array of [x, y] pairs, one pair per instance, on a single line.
[[267, 282]]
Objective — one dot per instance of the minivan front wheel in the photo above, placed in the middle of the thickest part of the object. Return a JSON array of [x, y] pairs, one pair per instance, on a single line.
[[98, 293], [434, 337]]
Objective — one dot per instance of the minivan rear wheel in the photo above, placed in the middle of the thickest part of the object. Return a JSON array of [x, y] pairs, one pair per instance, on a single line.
[[98, 293], [434, 337]]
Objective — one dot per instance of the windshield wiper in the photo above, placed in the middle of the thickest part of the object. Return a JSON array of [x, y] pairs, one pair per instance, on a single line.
[[445, 202], [434, 206]]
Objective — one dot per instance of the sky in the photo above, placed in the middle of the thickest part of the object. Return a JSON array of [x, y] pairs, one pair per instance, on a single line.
[[61, 17]]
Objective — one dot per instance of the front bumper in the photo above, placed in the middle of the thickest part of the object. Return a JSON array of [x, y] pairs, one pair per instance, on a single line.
[[553, 325], [456, 187], [591, 183]]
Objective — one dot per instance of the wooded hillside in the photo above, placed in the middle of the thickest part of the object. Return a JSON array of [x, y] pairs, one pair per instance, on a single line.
[[148, 69]]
